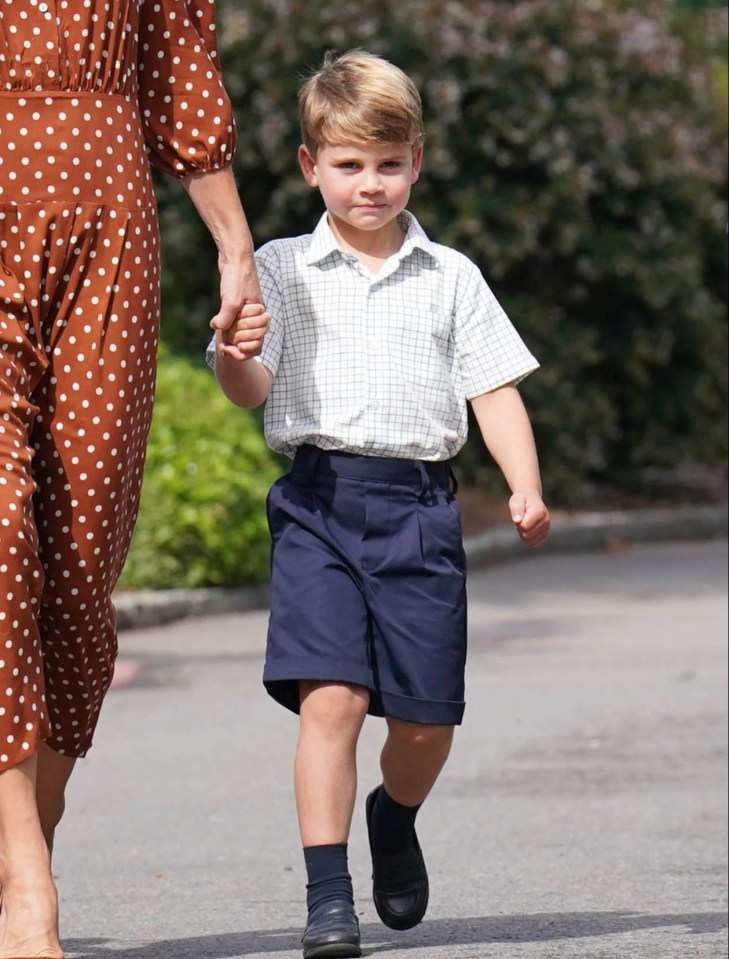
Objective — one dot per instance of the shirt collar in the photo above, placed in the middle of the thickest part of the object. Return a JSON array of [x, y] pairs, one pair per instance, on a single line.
[[324, 244]]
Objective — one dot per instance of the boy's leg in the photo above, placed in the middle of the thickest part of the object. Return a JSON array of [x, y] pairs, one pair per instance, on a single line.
[[332, 716], [412, 760], [416, 591]]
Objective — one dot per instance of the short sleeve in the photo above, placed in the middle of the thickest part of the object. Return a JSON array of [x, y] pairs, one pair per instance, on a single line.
[[269, 276], [188, 118], [489, 350]]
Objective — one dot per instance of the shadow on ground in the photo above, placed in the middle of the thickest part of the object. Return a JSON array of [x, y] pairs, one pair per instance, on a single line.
[[455, 932]]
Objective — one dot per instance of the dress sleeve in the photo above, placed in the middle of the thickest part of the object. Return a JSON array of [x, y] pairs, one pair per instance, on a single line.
[[188, 118]]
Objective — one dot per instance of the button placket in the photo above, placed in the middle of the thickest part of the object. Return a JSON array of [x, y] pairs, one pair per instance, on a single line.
[[49, 35], [375, 348]]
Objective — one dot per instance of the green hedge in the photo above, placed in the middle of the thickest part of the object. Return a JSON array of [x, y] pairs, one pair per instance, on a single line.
[[202, 519]]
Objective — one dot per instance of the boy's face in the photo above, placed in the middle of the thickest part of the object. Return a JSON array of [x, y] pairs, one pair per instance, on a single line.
[[365, 186]]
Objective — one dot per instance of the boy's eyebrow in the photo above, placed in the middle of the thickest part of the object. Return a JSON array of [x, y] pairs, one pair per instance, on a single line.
[[354, 152]]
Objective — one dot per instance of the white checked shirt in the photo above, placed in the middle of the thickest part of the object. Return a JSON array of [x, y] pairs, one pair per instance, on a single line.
[[379, 365]]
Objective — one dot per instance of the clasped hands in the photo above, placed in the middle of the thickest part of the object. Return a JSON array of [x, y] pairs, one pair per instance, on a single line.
[[242, 323], [243, 338]]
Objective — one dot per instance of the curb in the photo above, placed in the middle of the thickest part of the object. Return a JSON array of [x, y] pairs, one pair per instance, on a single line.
[[594, 531], [583, 532]]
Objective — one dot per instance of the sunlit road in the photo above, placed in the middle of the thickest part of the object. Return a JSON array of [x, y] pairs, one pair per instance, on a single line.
[[583, 815]]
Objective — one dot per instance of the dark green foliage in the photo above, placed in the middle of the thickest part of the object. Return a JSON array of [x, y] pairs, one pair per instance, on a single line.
[[699, 4], [576, 150], [202, 520]]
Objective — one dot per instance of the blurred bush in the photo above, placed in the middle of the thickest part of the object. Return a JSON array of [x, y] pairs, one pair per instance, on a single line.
[[202, 519], [576, 151]]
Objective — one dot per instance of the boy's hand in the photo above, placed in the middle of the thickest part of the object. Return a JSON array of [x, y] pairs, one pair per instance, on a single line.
[[244, 338], [530, 517]]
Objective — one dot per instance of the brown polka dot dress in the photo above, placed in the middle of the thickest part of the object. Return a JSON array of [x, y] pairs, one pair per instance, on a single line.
[[89, 91]]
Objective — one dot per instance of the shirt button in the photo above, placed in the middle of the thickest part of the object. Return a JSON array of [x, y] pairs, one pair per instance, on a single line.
[[43, 7]]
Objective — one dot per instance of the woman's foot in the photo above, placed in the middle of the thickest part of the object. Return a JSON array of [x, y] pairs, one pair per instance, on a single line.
[[29, 922], [29, 919]]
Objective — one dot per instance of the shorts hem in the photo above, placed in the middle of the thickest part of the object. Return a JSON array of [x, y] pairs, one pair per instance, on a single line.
[[282, 677], [281, 680], [422, 711]]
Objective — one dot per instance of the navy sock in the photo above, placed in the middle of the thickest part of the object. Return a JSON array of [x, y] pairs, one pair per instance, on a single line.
[[327, 869], [393, 825]]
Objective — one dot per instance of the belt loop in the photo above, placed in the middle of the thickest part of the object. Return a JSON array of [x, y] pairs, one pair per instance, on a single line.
[[312, 463], [454, 481], [426, 485]]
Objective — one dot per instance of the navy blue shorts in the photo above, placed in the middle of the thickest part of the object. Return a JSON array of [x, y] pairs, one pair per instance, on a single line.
[[368, 584]]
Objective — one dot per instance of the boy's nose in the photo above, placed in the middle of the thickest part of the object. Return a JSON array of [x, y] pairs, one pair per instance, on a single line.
[[371, 182]]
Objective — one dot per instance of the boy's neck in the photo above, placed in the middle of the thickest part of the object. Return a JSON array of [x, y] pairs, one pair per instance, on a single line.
[[373, 248]]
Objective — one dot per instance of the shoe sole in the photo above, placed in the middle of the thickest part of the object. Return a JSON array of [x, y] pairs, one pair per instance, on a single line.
[[334, 950]]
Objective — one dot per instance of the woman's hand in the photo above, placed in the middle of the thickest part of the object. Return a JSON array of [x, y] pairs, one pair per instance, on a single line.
[[239, 288]]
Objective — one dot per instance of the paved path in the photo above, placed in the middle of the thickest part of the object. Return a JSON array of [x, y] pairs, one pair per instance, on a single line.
[[583, 815]]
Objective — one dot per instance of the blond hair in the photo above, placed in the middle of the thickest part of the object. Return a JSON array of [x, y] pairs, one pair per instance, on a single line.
[[358, 97]]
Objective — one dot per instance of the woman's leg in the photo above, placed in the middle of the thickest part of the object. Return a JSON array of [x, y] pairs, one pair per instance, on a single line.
[[72, 455], [54, 772], [90, 437], [29, 919], [326, 761]]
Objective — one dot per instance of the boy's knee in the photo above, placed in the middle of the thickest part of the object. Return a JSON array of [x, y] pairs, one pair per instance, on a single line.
[[333, 704], [425, 739]]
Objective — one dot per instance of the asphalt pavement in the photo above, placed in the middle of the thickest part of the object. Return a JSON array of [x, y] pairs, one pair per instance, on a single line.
[[583, 814]]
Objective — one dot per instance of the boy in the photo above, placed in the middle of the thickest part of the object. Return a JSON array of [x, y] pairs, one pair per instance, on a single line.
[[377, 339]]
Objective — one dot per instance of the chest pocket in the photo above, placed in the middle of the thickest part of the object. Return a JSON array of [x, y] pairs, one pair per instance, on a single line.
[[424, 347]]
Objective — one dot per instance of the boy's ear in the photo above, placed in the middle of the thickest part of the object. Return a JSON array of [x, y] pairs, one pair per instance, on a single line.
[[308, 166], [417, 163]]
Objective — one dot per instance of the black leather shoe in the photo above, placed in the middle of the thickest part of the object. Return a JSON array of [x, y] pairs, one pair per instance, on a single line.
[[400, 885], [332, 932]]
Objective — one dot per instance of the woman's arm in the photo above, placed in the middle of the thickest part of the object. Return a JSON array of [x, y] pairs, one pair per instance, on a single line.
[[216, 199], [508, 435], [191, 134]]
